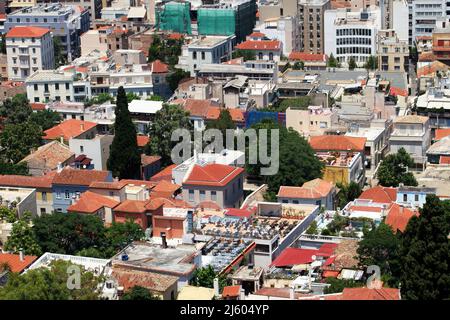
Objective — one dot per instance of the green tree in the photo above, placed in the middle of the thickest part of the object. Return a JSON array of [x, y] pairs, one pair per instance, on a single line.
[[379, 247], [124, 159], [11, 168], [68, 233], [46, 119], [338, 285], [102, 98], [60, 57], [168, 119], [246, 54], [23, 237], [8, 215], [336, 225], [50, 284], [371, 63], [175, 78], [18, 140], [347, 193], [121, 234], [139, 293], [3, 44], [222, 123], [132, 96], [16, 110], [312, 228], [297, 160], [302, 103], [333, 62], [204, 277], [155, 98], [424, 267], [298, 65], [351, 63], [393, 170]]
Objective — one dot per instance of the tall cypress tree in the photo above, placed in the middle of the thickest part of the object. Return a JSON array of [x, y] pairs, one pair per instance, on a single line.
[[424, 269], [124, 158]]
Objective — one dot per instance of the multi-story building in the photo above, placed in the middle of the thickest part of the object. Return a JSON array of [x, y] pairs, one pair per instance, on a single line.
[[283, 29], [66, 22], [393, 53], [93, 6], [206, 50], [17, 4], [351, 34], [93, 40], [267, 50], [28, 49], [441, 42], [423, 15], [398, 17], [314, 121], [50, 85], [311, 21], [253, 69], [414, 135]]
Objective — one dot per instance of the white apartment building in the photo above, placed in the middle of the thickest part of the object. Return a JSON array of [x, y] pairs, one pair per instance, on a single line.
[[137, 80], [50, 85], [399, 18], [206, 50], [413, 134], [283, 29], [352, 34], [28, 49], [423, 17]]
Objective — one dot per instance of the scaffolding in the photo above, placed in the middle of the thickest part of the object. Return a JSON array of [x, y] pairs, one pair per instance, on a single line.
[[213, 21], [174, 17]]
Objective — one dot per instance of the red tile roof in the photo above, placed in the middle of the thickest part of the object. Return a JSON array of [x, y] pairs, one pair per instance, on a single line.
[[13, 261], [212, 175], [91, 202], [370, 294], [398, 217], [114, 185], [132, 206], [155, 282], [365, 208], [330, 273], [305, 56], [444, 160], [337, 143], [27, 32], [327, 249], [159, 67], [69, 129], [394, 91], [165, 189], [70, 176], [27, 181], [292, 256], [148, 160], [48, 156], [175, 36], [271, 45], [441, 133], [313, 189], [173, 203], [197, 107], [37, 106], [380, 194], [257, 35], [237, 115], [233, 212], [142, 140], [164, 174], [427, 57], [231, 291]]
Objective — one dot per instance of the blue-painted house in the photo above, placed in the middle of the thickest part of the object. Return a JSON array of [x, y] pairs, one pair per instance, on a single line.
[[70, 183], [413, 196]]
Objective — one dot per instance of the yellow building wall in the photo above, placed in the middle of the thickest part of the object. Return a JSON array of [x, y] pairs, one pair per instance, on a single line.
[[39, 196], [336, 175]]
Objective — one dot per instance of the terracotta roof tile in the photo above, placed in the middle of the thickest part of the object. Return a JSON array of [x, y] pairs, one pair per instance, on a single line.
[[37, 106], [313, 189], [28, 181], [148, 160], [441, 133], [398, 217], [292, 256], [131, 206], [337, 143], [164, 174], [380, 194], [27, 32], [444, 160], [155, 282], [48, 156], [159, 67], [69, 129], [257, 34], [212, 175], [305, 56], [231, 291], [142, 140], [234, 212], [91, 202], [70, 176], [165, 189], [271, 45], [13, 261], [370, 294]]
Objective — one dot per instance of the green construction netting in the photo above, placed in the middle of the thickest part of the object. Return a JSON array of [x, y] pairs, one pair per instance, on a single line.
[[216, 21], [175, 17]]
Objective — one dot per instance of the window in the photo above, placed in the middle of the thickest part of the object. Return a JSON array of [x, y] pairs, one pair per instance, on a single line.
[[67, 86], [191, 195], [416, 197], [81, 149], [56, 86], [58, 195], [285, 201], [36, 99], [194, 55], [405, 197], [35, 87], [202, 195], [203, 55], [46, 87], [295, 201], [213, 195], [111, 193], [67, 194], [44, 196], [43, 211], [34, 50]]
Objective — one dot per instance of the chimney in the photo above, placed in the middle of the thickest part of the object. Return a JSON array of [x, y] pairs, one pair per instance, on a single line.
[[21, 255], [82, 126], [164, 240], [216, 287]]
